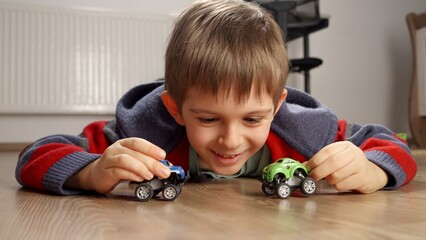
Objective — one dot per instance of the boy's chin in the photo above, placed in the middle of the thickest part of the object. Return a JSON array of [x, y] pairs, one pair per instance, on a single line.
[[228, 171]]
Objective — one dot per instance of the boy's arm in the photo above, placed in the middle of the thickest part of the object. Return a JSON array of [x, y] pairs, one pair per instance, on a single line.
[[364, 145], [382, 147], [47, 163]]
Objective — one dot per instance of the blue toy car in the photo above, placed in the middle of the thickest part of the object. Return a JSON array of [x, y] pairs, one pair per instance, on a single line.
[[170, 187]]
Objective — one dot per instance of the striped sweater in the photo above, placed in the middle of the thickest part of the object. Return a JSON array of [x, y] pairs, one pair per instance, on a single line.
[[300, 129]]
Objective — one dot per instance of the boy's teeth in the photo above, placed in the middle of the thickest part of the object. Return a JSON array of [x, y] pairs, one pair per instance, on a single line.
[[226, 156]]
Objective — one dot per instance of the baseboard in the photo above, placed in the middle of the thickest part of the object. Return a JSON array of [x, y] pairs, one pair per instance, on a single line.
[[12, 147]]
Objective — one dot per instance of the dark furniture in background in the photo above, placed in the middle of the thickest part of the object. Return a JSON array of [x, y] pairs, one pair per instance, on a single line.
[[416, 22], [298, 18]]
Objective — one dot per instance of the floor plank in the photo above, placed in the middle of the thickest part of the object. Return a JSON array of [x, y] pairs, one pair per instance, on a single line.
[[216, 209]]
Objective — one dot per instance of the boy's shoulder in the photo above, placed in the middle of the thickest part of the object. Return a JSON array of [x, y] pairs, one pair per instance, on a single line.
[[141, 113], [138, 93], [305, 123], [301, 104]]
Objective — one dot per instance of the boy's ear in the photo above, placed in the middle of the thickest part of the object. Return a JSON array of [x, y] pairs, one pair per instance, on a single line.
[[172, 107], [282, 99]]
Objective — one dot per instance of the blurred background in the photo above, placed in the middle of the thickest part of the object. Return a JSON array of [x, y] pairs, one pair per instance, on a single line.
[[65, 63]]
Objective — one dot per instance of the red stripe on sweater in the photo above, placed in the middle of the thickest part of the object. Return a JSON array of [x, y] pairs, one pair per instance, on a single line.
[[96, 137], [42, 160], [280, 149], [404, 159], [179, 156], [341, 130]]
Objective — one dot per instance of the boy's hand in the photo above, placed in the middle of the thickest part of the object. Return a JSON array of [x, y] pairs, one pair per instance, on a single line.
[[133, 159], [345, 166]]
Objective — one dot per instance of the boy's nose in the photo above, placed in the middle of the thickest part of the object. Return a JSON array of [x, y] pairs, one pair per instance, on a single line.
[[231, 137]]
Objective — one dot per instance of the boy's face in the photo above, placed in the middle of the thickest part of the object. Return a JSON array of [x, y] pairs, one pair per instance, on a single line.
[[224, 132]]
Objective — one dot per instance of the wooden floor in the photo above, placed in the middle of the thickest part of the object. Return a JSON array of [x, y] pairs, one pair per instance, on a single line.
[[225, 209]]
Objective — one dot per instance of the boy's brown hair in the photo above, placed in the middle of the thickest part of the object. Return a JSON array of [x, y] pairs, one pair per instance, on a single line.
[[222, 45]]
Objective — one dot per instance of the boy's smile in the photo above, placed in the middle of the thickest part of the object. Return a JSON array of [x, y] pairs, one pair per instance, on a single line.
[[224, 132]]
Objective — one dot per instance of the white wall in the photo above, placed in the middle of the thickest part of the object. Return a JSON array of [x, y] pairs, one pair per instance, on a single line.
[[151, 6], [366, 51], [27, 128], [365, 76]]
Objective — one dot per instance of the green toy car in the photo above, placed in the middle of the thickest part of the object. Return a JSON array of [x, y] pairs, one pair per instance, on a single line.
[[284, 176]]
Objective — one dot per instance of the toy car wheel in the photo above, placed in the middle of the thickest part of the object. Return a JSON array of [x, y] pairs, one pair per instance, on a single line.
[[267, 190], [308, 186], [179, 188], [170, 192], [283, 190], [144, 192]]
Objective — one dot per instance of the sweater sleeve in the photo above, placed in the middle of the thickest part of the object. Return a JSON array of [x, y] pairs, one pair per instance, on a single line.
[[382, 147], [48, 162]]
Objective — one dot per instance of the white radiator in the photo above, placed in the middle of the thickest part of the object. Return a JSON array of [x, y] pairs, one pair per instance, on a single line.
[[75, 61]]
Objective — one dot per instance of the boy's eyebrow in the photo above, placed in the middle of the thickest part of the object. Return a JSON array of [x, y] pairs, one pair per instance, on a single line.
[[259, 111]]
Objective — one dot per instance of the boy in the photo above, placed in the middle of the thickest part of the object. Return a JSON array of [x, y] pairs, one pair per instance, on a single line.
[[223, 111]]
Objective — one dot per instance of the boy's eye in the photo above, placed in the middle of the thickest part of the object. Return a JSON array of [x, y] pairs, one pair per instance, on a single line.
[[253, 121], [207, 120]]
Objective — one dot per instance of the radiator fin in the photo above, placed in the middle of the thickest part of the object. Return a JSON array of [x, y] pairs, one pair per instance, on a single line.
[[75, 61]]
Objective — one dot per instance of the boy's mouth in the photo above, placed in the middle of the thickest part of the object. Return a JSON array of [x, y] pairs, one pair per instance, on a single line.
[[226, 160], [226, 155]]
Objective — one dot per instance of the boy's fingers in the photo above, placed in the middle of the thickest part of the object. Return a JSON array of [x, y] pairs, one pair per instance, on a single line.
[[349, 183], [129, 163], [143, 146], [153, 154], [147, 166], [120, 173], [152, 164], [340, 174], [327, 161], [160, 170], [325, 153], [143, 152]]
